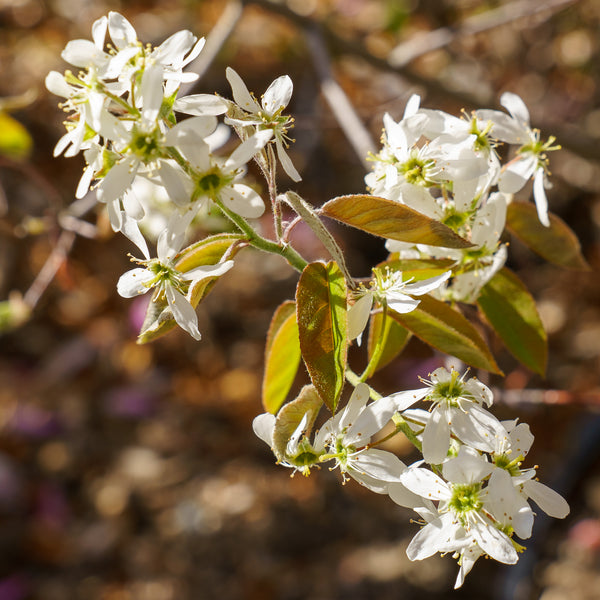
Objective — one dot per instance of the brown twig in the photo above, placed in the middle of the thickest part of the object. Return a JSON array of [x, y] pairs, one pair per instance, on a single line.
[[350, 123], [48, 271], [214, 42], [429, 41], [577, 143]]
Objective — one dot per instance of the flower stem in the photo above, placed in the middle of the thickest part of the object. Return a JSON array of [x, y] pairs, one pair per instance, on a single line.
[[401, 424], [378, 350], [256, 240]]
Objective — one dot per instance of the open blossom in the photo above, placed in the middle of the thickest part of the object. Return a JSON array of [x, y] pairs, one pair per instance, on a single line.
[[161, 274], [531, 161], [212, 177], [508, 454], [266, 115], [347, 435], [388, 287], [407, 172], [466, 521], [456, 409]]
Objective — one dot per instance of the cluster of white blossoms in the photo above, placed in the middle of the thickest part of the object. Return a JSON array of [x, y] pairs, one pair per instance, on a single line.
[[155, 174], [470, 489], [448, 169], [122, 106]]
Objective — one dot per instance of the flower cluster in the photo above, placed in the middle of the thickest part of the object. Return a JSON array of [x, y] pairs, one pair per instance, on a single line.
[[448, 168], [122, 106], [156, 173], [474, 497]]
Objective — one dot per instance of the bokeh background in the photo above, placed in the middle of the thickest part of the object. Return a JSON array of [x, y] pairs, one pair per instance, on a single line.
[[131, 472]]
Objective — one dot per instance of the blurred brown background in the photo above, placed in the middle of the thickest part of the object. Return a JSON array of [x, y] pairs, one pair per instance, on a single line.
[[131, 472]]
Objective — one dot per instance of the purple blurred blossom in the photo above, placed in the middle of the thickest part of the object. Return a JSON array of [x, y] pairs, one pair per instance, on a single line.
[[33, 422], [13, 587], [130, 401]]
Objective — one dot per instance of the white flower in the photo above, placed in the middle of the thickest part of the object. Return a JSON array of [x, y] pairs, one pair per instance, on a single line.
[[347, 436], [508, 455], [214, 178], [389, 288], [464, 522], [456, 410], [168, 282], [405, 171], [299, 454], [531, 160], [266, 115]]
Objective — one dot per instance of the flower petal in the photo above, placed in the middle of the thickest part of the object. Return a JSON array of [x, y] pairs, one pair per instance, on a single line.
[[243, 200], [241, 95], [133, 282]]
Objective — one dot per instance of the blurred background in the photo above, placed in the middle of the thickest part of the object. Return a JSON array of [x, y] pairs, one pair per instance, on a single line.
[[131, 472]]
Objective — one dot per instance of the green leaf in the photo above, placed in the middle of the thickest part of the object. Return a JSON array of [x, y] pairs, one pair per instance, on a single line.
[[282, 357], [15, 141], [444, 328], [322, 324], [394, 341], [511, 311], [391, 220], [557, 244], [209, 251], [291, 415]]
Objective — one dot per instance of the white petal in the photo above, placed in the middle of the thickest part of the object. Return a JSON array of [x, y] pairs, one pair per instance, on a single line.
[[177, 183], [358, 315], [539, 195], [356, 404], [243, 200], [131, 284], [151, 94], [200, 104], [241, 95], [521, 440], [263, 426], [517, 174], [378, 464], [551, 502], [371, 420], [494, 543], [99, 32], [405, 399], [505, 128], [171, 51], [427, 285], [278, 94], [426, 484], [404, 497], [432, 537], [478, 428], [412, 106], [467, 467], [286, 162], [204, 271], [507, 506], [436, 437], [121, 31], [515, 106], [131, 230], [247, 149], [401, 303], [183, 311], [55, 83], [117, 182], [82, 53], [468, 558]]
